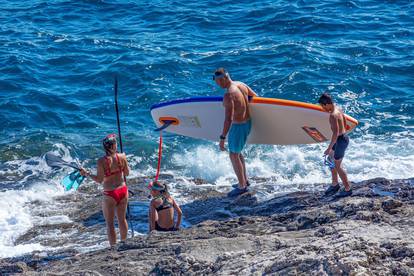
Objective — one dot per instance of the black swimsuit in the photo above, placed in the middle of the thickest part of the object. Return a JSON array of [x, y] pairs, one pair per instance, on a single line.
[[165, 205], [161, 229]]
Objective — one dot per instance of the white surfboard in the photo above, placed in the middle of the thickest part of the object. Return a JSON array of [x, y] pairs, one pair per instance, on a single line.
[[274, 121]]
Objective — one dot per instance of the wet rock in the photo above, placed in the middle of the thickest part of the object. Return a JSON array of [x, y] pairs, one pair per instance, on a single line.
[[324, 231], [368, 216], [300, 233], [402, 252], [12, 269], [199, 181], [390, 205], [402, 270], [247, 199], [305, 222]]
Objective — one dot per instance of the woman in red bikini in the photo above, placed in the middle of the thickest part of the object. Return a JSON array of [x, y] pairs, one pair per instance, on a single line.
[[111, 171]]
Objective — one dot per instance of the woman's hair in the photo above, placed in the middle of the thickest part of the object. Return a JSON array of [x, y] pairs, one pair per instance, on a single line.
[[108, 143]]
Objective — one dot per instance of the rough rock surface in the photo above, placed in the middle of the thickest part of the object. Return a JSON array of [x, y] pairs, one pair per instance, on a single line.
[[303, 233]]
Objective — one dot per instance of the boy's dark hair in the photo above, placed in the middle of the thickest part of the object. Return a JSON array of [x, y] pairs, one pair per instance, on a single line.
[[325, 98]]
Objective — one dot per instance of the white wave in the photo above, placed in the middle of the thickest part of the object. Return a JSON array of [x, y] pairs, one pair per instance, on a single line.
[[18, 208], [203, 162], [367, 157], [16, 216]]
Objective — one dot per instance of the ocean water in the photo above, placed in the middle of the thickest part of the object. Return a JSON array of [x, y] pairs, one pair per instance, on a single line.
[[58, 60]]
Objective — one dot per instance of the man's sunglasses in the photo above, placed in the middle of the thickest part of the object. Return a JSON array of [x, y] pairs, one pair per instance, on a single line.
[[218, 75]]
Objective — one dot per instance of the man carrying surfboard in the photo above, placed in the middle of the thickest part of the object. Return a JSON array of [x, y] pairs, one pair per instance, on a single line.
[[237, 124], [337, 146]]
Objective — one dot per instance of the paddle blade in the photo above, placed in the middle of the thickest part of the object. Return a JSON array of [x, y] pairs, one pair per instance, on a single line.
[[56, 161]]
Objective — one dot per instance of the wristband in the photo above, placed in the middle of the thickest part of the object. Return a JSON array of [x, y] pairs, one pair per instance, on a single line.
[[222, 137]]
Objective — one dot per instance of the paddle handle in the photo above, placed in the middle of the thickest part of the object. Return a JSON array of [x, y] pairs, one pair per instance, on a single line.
[[121, 148], [117, 114]]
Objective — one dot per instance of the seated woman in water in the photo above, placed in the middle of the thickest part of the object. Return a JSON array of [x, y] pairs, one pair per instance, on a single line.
[[161, 211], [111, 170]]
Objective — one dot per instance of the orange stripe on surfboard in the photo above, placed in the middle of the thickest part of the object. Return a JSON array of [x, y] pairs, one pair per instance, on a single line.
[[261, 100]]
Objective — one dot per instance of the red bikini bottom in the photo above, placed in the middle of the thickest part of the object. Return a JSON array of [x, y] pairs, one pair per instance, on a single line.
[[118, 194]]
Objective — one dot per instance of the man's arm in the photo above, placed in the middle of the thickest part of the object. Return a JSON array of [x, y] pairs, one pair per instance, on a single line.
[[250, 92], [228, 111], [333, 121]]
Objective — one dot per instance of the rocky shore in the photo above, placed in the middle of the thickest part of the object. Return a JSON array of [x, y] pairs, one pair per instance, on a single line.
[[370, 233]]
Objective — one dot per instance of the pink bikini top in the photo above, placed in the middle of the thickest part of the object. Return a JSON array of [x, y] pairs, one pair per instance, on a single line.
[[107, 168]]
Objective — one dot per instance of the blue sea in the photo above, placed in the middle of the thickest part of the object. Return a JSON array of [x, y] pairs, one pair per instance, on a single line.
[[58, 60]]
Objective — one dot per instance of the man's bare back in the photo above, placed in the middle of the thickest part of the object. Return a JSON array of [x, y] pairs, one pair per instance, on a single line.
[[338, 117], [238, 93]]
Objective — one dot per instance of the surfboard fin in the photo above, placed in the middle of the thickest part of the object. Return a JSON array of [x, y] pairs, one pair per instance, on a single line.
[[166, 124]]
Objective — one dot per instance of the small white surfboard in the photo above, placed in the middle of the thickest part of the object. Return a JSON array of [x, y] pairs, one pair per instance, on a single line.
[[274, 121]]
